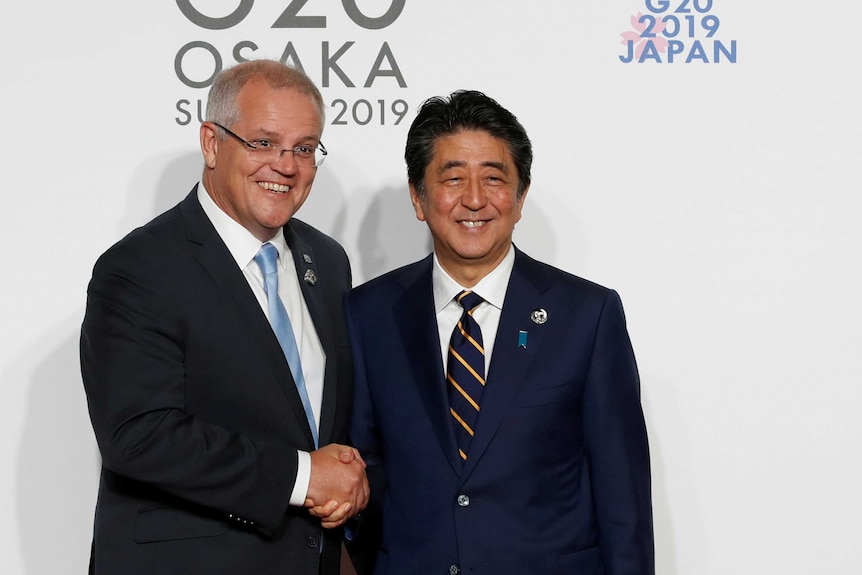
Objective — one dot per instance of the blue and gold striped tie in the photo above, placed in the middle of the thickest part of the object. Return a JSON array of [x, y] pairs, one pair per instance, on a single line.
[[465, 372]]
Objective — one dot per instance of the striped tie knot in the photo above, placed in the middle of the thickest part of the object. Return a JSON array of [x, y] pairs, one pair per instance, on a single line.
[[469, 300]]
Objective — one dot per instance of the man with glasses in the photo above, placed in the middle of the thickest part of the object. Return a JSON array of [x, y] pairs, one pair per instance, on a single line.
[[215, 357]]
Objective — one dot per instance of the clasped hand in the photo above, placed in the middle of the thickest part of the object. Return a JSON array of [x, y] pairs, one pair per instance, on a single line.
[[338, 488]]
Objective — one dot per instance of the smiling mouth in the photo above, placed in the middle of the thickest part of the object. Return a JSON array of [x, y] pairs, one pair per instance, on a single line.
[[277, 188], [472, 223]]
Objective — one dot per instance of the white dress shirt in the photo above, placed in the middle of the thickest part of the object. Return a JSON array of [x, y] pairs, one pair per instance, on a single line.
[[492, 288], [243, 246]]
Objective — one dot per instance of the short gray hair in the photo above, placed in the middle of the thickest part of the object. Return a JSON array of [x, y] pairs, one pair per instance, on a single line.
[[221, 102]]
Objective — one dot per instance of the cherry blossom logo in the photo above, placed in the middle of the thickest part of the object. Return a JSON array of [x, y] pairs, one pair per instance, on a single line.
[[671, 31], [641, 38]]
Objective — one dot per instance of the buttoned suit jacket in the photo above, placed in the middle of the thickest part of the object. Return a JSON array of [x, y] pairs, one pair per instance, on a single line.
[[194, 408], [557, 479]]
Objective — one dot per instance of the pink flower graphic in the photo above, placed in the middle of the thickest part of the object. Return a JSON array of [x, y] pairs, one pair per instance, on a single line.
[[639, 41]]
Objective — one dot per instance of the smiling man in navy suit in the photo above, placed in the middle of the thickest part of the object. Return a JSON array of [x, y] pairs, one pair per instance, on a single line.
[[497, 399], [216, 362]]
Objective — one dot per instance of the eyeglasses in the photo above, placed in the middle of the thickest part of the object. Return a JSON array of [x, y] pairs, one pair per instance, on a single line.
[[265, 151]]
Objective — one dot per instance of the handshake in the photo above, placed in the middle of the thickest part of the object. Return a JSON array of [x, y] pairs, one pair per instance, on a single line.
[[338, 488]]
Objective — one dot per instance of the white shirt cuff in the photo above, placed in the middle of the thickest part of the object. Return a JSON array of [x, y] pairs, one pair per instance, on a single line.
[[303, 478]]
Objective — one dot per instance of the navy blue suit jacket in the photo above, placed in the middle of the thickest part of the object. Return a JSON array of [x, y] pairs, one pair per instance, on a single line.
[[557, 479], [194, 407]]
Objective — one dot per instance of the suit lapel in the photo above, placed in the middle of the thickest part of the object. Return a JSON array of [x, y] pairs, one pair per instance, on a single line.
[[216, 260], [307, 273], [417, 326], [510, 362]]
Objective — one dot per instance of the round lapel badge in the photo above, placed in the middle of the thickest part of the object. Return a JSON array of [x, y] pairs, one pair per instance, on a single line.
[[539, 316]]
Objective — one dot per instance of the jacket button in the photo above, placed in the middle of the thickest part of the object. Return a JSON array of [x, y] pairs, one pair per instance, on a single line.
[[312, 541], [463, 500], [454, 570]]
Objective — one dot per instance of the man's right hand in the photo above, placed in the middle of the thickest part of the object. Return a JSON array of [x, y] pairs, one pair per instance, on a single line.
[[338, 488]]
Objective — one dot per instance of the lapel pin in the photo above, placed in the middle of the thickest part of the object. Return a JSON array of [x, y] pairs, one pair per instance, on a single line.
[[310, 277], [522, 339], [539, 316], [306, 258]]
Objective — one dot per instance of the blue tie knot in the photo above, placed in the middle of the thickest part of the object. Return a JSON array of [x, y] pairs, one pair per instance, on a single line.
[[266, 258]]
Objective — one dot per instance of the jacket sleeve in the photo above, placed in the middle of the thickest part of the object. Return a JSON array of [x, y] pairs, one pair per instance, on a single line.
[[366, 529], [617, 446], [133, 350]]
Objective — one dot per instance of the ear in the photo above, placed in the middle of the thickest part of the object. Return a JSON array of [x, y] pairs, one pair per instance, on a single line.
[[520, 202], [209, 144], [417, 203]]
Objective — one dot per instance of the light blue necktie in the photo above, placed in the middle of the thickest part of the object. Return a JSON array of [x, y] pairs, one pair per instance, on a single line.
[[266, 260]]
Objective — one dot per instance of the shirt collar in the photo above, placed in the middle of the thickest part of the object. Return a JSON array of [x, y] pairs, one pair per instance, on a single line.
[[240, 242], [492, 287]]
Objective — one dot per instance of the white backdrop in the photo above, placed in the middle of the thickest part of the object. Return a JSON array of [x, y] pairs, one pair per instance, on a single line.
[[720, 198]]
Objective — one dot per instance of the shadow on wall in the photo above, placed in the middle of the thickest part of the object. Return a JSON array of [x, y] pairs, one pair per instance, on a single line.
[[57, 469], [58, 463], [159, 184], [534, 236], [324, 207], [389, 234]]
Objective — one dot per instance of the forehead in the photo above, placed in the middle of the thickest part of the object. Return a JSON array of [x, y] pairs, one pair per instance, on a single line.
[[471, 147], [260, 105]]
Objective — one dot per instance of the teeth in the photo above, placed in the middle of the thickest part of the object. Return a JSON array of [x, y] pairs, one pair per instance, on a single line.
[[274, 187], [472, 224]]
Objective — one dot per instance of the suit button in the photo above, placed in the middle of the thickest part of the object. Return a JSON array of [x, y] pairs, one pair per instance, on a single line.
[[463, 500], [454, 570], [312, 541]]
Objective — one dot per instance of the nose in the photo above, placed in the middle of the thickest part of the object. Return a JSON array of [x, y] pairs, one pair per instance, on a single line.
[[474, 196], [286, 164]]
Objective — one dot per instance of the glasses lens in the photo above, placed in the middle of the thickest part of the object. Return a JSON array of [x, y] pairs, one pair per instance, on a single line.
[[303, 156], [319, 156], [265, 155]]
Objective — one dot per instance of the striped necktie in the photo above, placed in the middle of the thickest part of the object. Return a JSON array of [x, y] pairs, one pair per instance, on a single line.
[[465, 372], [266, 259]]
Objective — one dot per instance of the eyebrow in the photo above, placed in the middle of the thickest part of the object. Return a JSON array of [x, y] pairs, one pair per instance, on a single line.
[[264, 133], [488, 164], [270, 135]]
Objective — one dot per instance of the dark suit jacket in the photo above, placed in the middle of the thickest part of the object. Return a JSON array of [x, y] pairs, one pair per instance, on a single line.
[[194, 408], [557, 479]]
